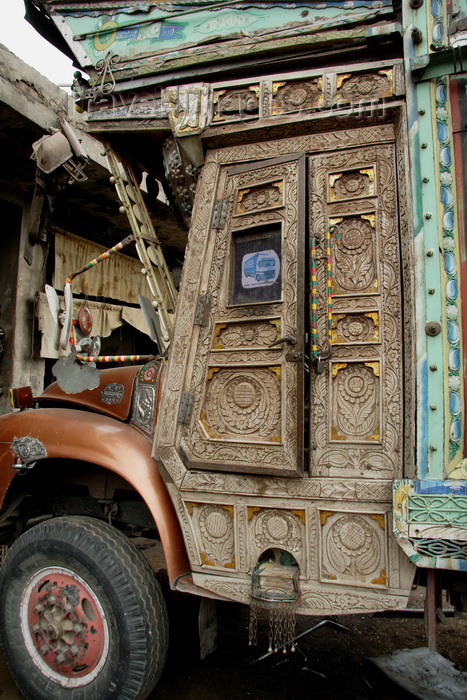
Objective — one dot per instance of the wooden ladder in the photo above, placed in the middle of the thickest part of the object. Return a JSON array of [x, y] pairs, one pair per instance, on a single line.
[[148, 245]]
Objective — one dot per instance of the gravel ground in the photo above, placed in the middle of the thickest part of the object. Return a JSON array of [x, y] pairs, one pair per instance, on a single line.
[[329, 662]]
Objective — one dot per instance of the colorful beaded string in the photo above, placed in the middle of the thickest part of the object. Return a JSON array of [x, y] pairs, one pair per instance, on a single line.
[[314, 289], [115, 358], [100, 258]]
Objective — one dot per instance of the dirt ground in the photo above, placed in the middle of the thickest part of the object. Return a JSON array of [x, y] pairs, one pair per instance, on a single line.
[[329, 663]]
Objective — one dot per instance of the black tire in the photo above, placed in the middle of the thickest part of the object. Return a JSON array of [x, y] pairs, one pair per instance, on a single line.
[[82, 616]]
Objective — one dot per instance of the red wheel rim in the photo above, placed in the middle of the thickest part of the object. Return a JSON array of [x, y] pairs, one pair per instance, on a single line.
[[64, 626]]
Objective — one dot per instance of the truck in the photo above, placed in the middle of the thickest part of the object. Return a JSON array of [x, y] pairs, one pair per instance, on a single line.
[[261, 266], [298, 446]]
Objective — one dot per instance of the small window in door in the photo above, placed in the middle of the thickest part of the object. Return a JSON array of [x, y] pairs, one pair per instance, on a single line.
[[256, 266]]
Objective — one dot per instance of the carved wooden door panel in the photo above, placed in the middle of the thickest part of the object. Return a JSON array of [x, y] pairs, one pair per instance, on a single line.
[[247, 384], [356, 408]]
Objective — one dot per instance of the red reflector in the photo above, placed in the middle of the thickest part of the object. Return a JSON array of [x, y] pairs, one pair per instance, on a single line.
[[21, 397]]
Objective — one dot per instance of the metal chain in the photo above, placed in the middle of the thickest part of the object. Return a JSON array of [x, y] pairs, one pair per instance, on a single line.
[[253, 626]]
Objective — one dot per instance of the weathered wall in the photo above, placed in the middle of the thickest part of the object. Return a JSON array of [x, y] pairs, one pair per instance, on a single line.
[[30, 106]]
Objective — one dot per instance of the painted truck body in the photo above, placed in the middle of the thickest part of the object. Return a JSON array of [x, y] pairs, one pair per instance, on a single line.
[[301, 447]]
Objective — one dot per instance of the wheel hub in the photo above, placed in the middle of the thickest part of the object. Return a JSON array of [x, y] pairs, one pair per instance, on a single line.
[[67, 633]]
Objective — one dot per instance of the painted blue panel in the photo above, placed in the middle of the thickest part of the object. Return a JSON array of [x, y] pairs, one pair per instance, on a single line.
[[440, 487]]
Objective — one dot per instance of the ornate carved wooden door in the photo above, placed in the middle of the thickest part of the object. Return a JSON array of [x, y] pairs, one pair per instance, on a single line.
[[356, 408], [248, 387], [247, 383]]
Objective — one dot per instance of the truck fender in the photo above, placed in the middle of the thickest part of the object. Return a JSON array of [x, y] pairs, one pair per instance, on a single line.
[[103, 441]]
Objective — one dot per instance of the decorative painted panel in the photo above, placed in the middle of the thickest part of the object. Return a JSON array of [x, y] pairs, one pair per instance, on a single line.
[[455, 420], [159, 38], [441, 509], [353, 548], [430, 522]]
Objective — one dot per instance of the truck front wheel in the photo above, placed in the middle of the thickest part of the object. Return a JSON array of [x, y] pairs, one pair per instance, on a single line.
[[82, 616]]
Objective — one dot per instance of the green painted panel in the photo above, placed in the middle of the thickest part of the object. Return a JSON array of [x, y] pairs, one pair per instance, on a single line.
[[155, 32]]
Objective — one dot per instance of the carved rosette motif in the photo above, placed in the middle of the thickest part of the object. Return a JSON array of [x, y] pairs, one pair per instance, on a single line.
[[356, 183], [295, 96], [368, 86], [215, 527], [276, 528], [243, 402], [353, 548], [239, 103], [244, 335], [355, 328], [355, 403], [264, 196], [354, 257]]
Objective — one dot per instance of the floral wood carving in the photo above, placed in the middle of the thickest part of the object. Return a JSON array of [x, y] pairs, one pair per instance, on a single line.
[[354, 548]]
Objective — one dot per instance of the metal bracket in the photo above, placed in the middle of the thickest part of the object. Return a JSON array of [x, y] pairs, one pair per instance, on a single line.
[[220, 213], [202, 310], [294, 357], [186, 408]]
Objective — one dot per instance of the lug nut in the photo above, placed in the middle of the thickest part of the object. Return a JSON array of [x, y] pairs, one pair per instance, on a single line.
[[44, 649], [60, 658], [36, 628], [38, 609], [51, 600], [74, 650]]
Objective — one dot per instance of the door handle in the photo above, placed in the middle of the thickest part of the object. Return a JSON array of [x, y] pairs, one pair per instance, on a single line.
[[289, 338]]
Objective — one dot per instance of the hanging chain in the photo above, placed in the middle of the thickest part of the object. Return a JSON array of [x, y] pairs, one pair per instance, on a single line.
[[253, 626]]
